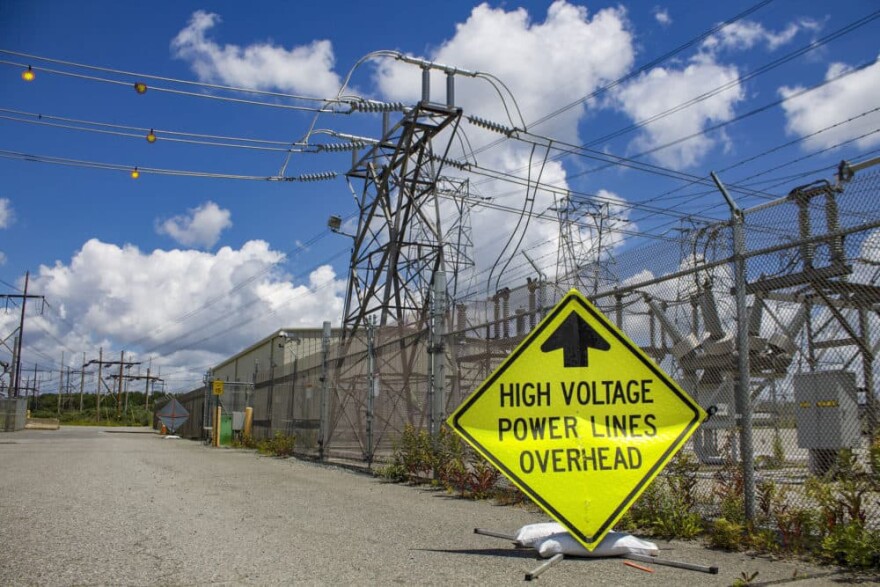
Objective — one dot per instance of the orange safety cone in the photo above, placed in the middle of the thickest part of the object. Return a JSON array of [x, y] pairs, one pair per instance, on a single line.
[[164, 430]]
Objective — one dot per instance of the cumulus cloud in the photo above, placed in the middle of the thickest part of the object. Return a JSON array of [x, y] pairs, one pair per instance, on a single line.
[[836, 102], [662, 16], [199, 227], [191, 308], [747, 34], [662, 89], [7, 216], [306, 69], [548, 65]]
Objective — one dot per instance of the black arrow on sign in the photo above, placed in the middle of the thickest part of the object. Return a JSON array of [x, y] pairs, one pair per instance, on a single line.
[[575, 337]]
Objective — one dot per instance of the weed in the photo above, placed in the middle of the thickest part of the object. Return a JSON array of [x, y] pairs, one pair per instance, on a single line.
[[726, 534], [874, 457], [682, 478], [852, 545], [745, 579], [665, 511], [796, 528], [245, 441], [730, 486], [280, 445]]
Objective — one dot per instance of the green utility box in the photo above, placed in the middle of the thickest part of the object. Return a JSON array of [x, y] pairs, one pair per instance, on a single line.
[[226, 430]]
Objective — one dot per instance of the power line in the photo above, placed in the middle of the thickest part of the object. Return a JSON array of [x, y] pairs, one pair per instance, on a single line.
[[143, 132], [643, 68], [743, 78], [135, 81], [158, 171], [603, 156]]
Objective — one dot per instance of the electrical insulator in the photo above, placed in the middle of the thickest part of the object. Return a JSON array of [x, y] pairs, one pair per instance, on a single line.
[[336, 147], [489, 125], [316, 176], [373, 106]]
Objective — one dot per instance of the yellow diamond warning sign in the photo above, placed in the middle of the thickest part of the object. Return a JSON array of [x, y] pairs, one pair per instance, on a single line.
[[579, 418]]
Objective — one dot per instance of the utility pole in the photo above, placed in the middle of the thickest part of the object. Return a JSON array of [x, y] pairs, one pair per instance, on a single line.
[[149, 378], [33, 390], [122, 364], [15, 380], [147, 387], [60, 381], [82, 383], [98, 386], [119, 392]]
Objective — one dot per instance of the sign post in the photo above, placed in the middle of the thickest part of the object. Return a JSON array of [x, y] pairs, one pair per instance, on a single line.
[[579, 418]]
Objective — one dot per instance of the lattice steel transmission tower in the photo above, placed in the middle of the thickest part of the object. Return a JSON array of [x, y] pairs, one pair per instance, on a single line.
[[400, 242], [584, 258]]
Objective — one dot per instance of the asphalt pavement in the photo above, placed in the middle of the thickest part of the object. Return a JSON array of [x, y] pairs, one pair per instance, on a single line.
[[104, 506]]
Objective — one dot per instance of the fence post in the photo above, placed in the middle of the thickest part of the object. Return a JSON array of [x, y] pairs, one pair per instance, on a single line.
[[437, 350], [371, 382], [325, 401], [743, 397]]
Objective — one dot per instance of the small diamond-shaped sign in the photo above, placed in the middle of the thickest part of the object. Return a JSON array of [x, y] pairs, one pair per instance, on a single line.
[[579, 418]]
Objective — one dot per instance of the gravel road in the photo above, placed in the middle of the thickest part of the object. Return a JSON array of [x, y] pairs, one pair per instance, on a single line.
[[100, 506]]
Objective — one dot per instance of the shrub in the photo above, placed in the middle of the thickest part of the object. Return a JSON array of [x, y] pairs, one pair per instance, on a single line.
[[664, 510], [280, 445], [726, 534], [730, 486], [874, 457], [245, 441], [852, 545], [412, 458], [456, 466]]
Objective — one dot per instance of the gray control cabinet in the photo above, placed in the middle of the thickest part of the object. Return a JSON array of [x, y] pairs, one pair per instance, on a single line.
[[827, 410]]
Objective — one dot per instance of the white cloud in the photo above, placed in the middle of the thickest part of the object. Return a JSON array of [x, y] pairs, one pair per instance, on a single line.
[[747, 34], [7, 216], [662, 16], [306, 69], [200, 227], [547, 65], [662, 89], [839, 100], [123, 298]]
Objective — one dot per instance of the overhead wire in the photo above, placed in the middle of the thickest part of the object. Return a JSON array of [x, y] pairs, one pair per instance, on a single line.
[[126, 168], [852, 26], [812, 46], [642, 68], [159, 134], [132, 74], [160, 171]]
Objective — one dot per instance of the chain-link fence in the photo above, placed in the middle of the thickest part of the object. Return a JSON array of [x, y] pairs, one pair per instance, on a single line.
[[810, 264]]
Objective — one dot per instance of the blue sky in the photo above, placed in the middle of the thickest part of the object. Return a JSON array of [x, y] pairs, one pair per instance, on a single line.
[[184, 270]]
